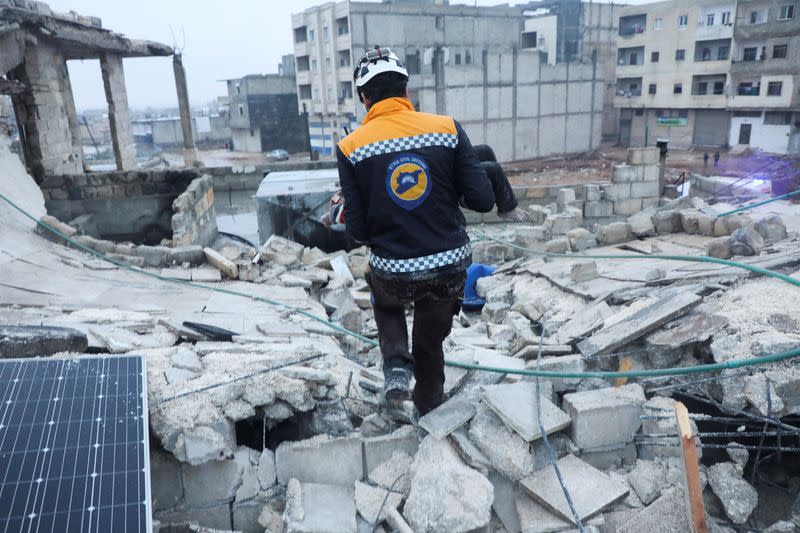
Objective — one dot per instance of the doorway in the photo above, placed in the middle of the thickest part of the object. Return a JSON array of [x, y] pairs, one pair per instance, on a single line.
[[744, 133]]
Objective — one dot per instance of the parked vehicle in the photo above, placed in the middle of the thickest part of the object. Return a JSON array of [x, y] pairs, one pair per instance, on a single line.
[[278, 155]]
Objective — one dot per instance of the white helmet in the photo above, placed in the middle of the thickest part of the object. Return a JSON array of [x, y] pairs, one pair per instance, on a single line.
[[376, 62]]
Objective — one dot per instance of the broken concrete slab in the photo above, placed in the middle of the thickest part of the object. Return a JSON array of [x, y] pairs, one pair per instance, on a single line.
[[535, 518], [211, 483], [638, 324], [448, 417], [281, 251], [694, 328], [516, 406], [605, 417], [584, 322], [372, 500], [446, 495], [319, 508], [504, 503], [219, 261], [563, 363], [738, 497], [380, 449], [469, 452], [590, 489], [320, 459], [39, 341], [508, 453], [208, 274], [648, 479], [394, 474], [668, 514]]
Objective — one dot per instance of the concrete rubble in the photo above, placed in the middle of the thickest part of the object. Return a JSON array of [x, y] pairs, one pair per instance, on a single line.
[[279, 428]]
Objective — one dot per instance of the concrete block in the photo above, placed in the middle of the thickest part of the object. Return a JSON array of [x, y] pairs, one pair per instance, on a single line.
[[583, 271], [644, 189], [605, 417], [225, 265], [738, 497], [166, 481], [644, 155], [192, 254], [378, 450], [627, 207], [598, 209], [448, 417], [719, 248], [581, 239], [667, 222], [507, 452], [642, 224], [564, 198], [211, 483], [37, 341], [154, 256], [610, 457], [515, 404], [746, 241], [626, 174], [771, 228], [617, 191], [529, 236], [319, 508], [615, 233], [561, 223], [593, 193], [321, 459], [557, 246]]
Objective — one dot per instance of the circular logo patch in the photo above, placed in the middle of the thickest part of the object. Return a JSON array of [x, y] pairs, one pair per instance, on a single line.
[[408, 181]]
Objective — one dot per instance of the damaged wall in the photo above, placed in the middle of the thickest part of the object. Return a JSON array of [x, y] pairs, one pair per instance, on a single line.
[[194, 220]]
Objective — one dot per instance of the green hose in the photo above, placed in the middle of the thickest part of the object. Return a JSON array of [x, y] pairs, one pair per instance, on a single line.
[[470, 366], [765, 202]]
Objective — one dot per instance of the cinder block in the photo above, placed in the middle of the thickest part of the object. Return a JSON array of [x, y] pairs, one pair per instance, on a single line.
[[321, 460], [627, 174], [593, 193], [605, 417], [644, 189], [651, 172], [618, 191], [650, 202], [627, 207], [643, 156], [598, 209]]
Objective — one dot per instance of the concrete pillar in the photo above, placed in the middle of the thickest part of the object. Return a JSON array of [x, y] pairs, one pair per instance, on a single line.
[[71, 112], [190, 156], [42, 112], [119, 117]]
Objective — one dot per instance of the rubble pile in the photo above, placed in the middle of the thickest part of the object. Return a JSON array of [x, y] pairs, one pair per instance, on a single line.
[[270, 420]]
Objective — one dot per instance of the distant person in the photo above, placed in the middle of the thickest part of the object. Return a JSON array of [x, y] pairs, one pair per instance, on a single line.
[[716, 159], [705, 160], [403, 176]]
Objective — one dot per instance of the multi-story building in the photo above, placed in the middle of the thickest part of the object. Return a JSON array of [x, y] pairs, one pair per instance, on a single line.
[[463, 61], [703, 74], [264, 114], [673, 60], [764, 96]]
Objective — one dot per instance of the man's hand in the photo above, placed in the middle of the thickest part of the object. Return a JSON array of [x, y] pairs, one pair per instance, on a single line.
[[334, 213]]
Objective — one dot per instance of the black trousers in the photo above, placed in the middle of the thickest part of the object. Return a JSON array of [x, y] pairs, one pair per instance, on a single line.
[[436, 302], [503, 193]]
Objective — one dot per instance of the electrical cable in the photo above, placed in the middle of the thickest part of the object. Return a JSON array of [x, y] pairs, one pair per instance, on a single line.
[[757, 204], [732, 364]]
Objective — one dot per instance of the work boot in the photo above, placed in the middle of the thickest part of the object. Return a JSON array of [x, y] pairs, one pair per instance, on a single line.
[[396, 387], [517, 215]]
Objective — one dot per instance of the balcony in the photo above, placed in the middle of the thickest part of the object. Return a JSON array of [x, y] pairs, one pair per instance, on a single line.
[[632, 56], [628, 89], [748, 89], [712, 50], [632, 25]]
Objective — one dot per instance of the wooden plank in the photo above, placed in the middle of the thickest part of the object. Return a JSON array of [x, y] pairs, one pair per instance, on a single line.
[[691, 470], [625, 365], [638, 324]]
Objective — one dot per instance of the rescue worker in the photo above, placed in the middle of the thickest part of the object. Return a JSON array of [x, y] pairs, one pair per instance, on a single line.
[[403, 175]]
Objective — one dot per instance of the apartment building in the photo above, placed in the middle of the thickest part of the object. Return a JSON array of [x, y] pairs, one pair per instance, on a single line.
[[464, 60], [673, 60], [703, 73], [764, 98]]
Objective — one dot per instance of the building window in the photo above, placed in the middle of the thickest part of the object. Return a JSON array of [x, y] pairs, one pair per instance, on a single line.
[[774, 88], [683, 21], [680, 55], [440, 23], [657, 23], [331, 95], [313, 65], [325, 33], [755, 17], [468, 58], [639, 112], [316, 94], [311, 35], [302, 64], [726, 18], [683, 113], [750, 53], [654, 57], [343, 28], [706, 54], [786, 12], [710, 19], [748, 88], [412, 63], [702, 88], [328, 64], [719, 87], [300, 34], [346, 90], [779, 51], [305, 92], [777, 118], [677, 89], [723, 52], [238, 89], [344, 59], [651, 89], [241, 110], [529, 39], [458, 59], [252, 133]]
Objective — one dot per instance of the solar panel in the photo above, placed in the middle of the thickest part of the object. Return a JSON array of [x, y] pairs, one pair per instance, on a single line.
[[74, 445]]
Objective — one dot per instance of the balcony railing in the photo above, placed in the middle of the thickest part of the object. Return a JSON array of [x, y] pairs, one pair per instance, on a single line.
[[748, 91]]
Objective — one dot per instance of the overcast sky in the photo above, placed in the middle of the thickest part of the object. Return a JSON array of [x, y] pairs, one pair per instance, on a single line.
[[221, 40]]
